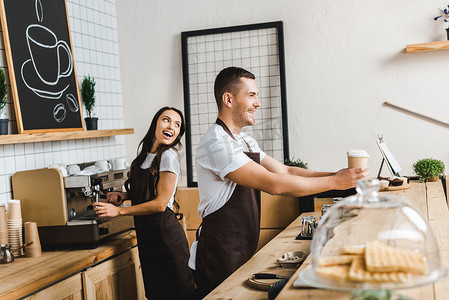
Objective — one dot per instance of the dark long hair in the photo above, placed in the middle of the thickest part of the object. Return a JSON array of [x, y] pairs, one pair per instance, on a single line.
[[145, 146]]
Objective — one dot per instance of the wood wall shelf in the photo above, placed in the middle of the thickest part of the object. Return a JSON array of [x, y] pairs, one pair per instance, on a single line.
[[427, 47], [59, 136]]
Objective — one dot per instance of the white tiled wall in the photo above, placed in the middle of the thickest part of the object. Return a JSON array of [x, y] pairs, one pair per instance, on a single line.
[[93, 27]]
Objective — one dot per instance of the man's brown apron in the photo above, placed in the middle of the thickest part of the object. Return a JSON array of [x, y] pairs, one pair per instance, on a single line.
[[229, 236], [163, 247]]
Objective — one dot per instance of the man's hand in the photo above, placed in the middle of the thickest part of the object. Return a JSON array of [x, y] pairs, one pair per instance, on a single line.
[[347, 178]]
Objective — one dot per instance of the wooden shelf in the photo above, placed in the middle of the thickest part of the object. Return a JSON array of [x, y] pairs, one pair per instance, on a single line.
[[58, 136], [426, 47]]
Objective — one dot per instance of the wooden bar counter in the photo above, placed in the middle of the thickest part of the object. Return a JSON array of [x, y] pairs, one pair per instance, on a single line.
[[428, 198], [77, 274]]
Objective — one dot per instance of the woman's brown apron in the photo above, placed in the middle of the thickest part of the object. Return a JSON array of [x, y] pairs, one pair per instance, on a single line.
[[229, 236], [163, 247]]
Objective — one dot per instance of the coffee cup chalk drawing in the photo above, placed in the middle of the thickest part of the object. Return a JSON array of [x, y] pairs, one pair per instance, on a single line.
[[41, 66]]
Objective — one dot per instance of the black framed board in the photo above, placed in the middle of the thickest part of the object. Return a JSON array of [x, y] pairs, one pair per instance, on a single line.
[[41, 65], [259, 48]]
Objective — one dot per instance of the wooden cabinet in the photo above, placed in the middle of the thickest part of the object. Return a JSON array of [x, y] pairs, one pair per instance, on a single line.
[[277, 212], [67, 289], [116, 278], [119, 277], [188, 200]]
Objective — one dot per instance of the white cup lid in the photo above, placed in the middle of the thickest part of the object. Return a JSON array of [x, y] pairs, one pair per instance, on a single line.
[[357, 153]]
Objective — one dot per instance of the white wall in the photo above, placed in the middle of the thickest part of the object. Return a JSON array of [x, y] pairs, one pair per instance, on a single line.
[[343, 60]]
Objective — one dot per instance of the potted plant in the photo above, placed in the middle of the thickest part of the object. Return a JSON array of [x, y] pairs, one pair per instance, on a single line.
[[88, 99], [295, 163], [428, 169], [3, 92]]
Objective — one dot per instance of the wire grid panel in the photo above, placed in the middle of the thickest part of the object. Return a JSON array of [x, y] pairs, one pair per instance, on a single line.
[[255, 48]]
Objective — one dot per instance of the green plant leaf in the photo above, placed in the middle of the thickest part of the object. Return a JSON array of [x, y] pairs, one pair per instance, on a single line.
[[427, 168], [3, 89], [88, 94], [295, 163]]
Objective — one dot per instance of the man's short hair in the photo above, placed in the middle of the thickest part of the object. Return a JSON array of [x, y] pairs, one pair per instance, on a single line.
[[228, 80]]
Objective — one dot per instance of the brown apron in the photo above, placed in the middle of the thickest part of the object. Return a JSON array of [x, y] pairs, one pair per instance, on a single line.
[[163, 247], [229, 236]]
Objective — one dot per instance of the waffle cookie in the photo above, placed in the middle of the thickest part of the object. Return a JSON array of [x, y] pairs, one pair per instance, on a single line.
[[338, 272], [352, 250], [336, 260], [382, 258], [358, 272], [376, 262]]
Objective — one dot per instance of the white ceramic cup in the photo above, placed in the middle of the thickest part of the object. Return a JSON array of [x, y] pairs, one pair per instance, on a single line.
[[73, 169], [357, 159], [103, 164], [119, 163], [60, 167]]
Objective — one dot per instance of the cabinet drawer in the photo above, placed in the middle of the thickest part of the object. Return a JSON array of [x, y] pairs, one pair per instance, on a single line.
[[188, 200], [278, 211], [70, 288]]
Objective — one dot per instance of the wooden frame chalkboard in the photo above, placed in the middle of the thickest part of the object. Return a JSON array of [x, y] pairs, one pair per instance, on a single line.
[[41, 65]]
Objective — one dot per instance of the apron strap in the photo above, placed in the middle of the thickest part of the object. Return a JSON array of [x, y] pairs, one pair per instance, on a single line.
[[226, 129]]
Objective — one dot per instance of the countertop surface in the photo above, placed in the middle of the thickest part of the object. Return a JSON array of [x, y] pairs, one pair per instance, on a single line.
[[28, 274], [428, 198]]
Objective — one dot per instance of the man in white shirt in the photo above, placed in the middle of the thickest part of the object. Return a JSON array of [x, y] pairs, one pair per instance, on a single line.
[[231, 170]]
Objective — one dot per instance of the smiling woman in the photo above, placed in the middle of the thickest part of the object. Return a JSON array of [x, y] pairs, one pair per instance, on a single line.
[[151, 186], [167, 129]]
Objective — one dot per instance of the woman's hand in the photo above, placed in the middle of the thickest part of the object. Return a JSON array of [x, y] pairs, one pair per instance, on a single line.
[[106, 209], [115, 198]]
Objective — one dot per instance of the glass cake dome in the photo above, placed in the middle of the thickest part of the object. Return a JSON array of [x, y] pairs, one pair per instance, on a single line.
[[373, 241]]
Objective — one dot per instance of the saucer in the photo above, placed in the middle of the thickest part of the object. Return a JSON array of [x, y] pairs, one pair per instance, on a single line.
[[42, 90]]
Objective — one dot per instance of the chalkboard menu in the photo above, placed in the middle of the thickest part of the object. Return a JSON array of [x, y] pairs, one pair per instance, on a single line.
[[41, 65]]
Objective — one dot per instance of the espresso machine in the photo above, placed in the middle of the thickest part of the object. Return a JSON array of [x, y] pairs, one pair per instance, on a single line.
[[63, 207]]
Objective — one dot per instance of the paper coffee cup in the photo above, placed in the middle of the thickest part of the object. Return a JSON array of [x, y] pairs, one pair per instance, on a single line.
[[32, 235], [14, 210], [3, 227], [357, 159]]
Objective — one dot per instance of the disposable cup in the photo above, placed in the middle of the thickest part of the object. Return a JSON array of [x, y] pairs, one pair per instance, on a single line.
[[14, 236], [15, 233], [16, 242], [32, 234], [4, 239], [31, 251], [357, 159], [12, 228], [2, 215], [14, 221], [14, 210], [3, 226]]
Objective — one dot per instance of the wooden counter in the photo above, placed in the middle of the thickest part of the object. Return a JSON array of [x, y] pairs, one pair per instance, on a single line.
[[264, 261], [27, 275], [428, 198]]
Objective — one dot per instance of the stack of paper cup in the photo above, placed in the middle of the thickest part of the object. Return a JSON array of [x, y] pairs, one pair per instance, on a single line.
[[32, 235], [3, 227], [14, 223]]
